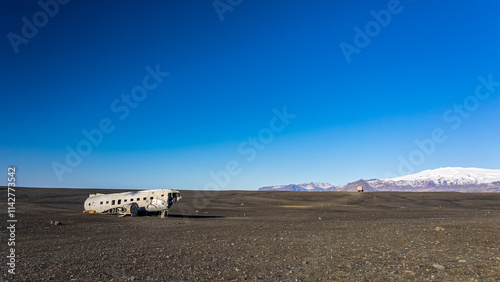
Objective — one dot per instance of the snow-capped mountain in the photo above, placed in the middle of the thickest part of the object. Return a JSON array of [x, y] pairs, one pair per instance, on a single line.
[[449, 179], [442, 179], [454, 176], [311, 187]]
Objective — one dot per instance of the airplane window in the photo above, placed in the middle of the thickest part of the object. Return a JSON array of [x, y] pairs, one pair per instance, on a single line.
[[120, 201], [144, 199], [125, 200], [89, 204], [107, 202], [101, 203], [132, 199], [113, 202], [138, 199], [151, 198], [162, 195]]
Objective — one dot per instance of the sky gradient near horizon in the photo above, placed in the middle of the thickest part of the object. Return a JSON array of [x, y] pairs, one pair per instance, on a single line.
[[242, 94]]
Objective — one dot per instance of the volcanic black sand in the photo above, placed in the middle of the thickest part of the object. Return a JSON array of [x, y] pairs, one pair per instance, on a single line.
[[235, 235]]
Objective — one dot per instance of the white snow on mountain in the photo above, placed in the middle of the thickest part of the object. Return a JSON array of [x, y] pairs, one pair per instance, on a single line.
[[451, 179], [315, 185], [312, 186], [450, 176]]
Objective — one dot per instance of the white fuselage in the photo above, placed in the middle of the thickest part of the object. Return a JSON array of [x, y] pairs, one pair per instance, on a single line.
[[147, 200]]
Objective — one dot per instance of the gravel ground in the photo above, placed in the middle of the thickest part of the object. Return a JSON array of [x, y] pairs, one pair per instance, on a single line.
[[237, 235]]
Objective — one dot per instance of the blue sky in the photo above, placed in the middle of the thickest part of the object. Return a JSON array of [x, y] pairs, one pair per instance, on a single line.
[[269, 71]]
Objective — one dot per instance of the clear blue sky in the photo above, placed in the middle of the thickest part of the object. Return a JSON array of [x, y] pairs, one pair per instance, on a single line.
[[231, 67]]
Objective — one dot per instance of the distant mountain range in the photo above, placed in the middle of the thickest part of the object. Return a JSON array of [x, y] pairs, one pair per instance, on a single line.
[[449, 179]]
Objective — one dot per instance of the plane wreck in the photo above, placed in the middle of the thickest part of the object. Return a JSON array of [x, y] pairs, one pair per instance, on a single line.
[[147, 202]]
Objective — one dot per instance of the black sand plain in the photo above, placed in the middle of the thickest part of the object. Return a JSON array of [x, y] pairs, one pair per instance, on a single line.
[[244, 235]]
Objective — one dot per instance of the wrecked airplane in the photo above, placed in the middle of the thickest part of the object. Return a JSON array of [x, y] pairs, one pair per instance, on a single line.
[[133, 203]]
